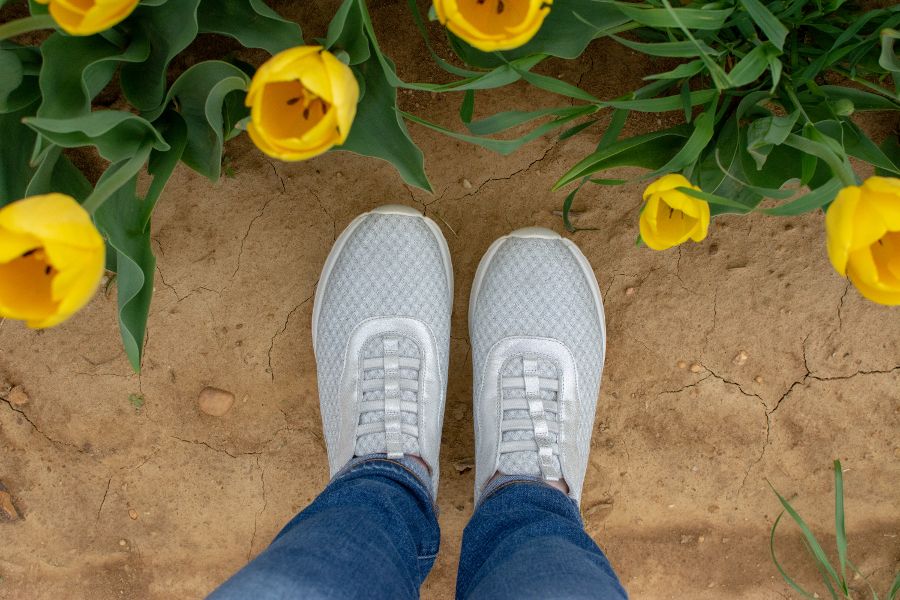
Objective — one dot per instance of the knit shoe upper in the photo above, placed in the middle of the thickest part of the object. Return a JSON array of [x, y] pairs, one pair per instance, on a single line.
[[538, 342], [381, 334]]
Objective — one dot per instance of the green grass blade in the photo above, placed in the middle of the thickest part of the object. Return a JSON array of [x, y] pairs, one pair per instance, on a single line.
[[816, 548], [775, 31], [787, 578], [895, 588], [714, 199], [839, 529]]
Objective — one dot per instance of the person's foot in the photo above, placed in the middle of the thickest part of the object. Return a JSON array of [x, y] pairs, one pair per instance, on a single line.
[[538, 341], [381, 335]]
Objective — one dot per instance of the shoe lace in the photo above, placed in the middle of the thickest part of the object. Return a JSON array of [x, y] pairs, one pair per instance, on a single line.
[[543, 424], [384, 381]]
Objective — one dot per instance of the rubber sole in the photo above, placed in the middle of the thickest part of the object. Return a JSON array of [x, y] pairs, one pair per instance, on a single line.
[[547, 234], [341, 241]]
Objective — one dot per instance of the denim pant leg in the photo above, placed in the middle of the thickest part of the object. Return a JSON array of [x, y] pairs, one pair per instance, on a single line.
[[372, 533], [526, 540]]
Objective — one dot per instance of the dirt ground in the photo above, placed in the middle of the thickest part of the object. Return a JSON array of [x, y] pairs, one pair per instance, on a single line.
[[163, 501]]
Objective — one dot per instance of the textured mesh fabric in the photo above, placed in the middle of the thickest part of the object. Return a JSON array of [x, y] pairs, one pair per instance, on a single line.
[[390, 266], [374, 443], [534, 287], [526, 463]]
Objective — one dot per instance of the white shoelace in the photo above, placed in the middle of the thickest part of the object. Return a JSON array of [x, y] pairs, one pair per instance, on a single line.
[[392, 383], [540, 423]]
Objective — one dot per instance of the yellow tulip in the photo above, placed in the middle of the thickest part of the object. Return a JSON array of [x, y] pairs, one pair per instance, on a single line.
[[302, 102], [86, 17], [671, 217], [51, 259], [491, 25], [863, 230]]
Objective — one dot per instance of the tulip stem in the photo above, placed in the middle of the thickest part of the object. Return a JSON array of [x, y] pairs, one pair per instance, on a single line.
[[26, 24]]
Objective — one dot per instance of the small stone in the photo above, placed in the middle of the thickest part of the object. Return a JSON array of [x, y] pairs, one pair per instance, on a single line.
[[464, 465], [711, 584], [215, 402], [740, 358], [17, 396], [701, 539], [696, 368], [686, 539], [682, 364], [467, 184], [7, 508], [133, 514], [629, 291], [123, 543], [758, 379], [695, 468]]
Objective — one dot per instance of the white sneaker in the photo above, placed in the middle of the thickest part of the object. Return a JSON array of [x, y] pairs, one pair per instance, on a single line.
[[538, 342], [381, 334]]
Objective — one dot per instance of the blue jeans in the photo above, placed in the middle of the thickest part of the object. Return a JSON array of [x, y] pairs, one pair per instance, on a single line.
[[373, 533]]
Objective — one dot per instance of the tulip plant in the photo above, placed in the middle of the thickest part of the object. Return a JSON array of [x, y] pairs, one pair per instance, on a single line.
[[767, 89]]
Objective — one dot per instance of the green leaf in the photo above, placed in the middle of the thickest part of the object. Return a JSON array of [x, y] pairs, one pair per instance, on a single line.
[[251, 22], [773, 29], [691, 18], [891, 148], [557, 86], [379, 131], [200, 95], [684, 70], [888, 58], [689, 153], [77, 68], [508, 119], [19, 66], [56, 173], [665, 103], [751, 67], [467, 107], [650, 151], [713, 198], [163, 162], [816, 198], [766, 133], [121, 220], [117, 134], [18, 140], [167, 29], [861, 100], [668, 49], [346, 32]]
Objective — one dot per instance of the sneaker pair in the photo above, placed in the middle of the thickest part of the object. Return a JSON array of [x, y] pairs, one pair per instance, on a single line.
[[381, 334]]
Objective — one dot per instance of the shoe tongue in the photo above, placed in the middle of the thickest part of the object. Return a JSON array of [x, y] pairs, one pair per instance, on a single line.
[[526, 463], [374, 443]]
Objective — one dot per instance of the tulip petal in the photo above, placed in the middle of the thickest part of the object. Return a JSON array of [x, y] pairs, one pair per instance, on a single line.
[[839, 227], [25, 289], [51, 217], [883, 193], [345, 92], [14, 244]]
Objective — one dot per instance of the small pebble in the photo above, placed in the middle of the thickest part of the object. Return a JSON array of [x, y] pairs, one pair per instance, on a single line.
[[696, 368], [133, 514], [740, 358], [123, 543], [629, 291], [711, 584], [467, 184], [758, 379], [700, 539], [7, 508], [215, 402], [17, 396], [681, 364]]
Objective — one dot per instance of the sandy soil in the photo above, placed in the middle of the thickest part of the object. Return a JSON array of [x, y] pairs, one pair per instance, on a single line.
[[165, 502]]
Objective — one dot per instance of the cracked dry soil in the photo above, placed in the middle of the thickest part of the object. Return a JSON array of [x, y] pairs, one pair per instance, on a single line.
[[165, 502]]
